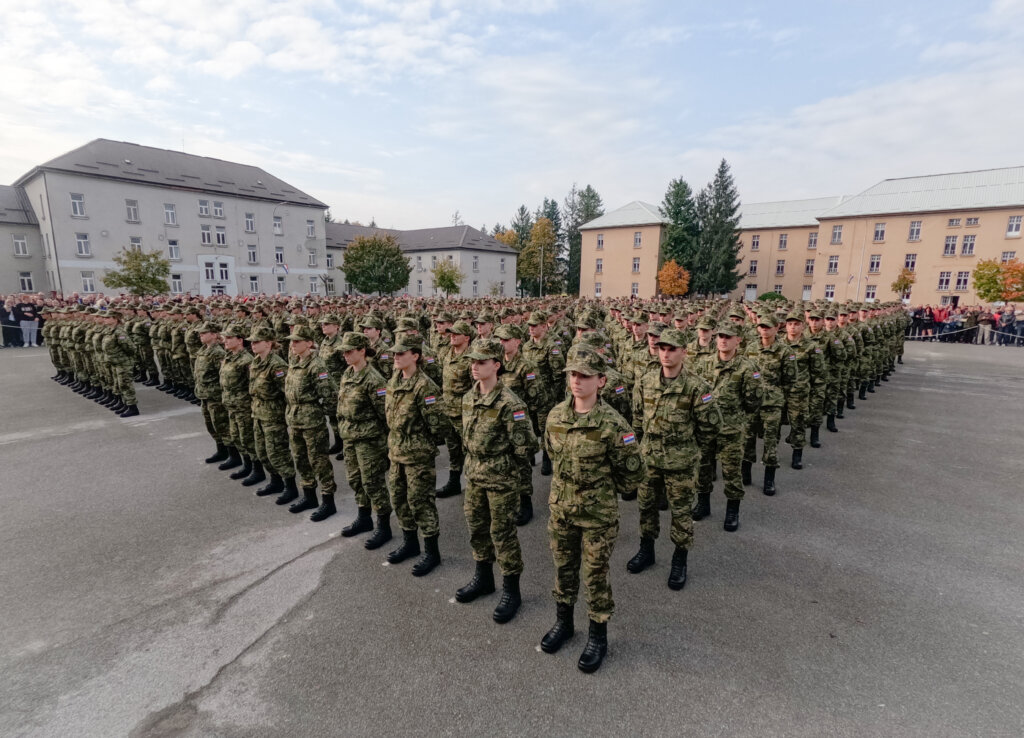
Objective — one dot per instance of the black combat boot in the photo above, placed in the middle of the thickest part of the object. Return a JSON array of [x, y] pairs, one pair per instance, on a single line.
[[106, 398], [561, 631], [222, 453], [798, 459], [769, 481], [163, 385], [863, 390], [326, 509], [849, 401], [677, 574], [336, 446], [153, 381], [481, 584], [340, 456], [245, 470], [431, 557], [871, 386], [118, 407], [308, 501], [899, 359], [234, 460], [815, 436], [130, 411], [180, 391], [510, 600], [884, 376], [410, 547], [745, 467], [545, 465], [258, 474], [362, 524], [643, 558], [525, 510], [381, 535], [732, 515], [839, 408], [453, 486], [290, 493], [275, 485], [703, 508], [596, 648], [830, 423]]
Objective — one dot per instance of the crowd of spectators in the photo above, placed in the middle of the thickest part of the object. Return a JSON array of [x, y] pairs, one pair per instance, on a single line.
[[976, 324]]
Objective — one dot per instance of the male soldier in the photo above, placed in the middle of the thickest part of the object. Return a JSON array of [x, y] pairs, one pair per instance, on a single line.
[[234, 387], [704, 343], [594, 457], [329, 351], [207, 376], [550, 361], [767, 356], [822, 343], [835, 351], [119, 352], [499, 438], [141, 330], [674, 408], [738, 393], [270, 430], [848, 321], [801, 367], [457, 381]]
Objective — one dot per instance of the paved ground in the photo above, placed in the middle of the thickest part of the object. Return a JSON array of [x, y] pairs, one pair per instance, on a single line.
[[880, 593]]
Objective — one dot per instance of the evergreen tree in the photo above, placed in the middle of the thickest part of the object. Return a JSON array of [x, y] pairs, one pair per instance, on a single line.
[[720, 233], [522, 224], [579, 207], [683, 230]]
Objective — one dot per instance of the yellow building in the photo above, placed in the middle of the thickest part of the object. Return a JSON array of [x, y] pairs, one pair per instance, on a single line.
[[620, 251]]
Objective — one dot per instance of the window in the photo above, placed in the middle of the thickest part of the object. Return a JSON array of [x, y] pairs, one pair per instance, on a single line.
[[634, 289], [875, 265], [752, 268], [20, 245], [279, 254], [82, 243], [597, 289], [967, 247], [433, 261], [88, 281], [42, 209], [783, 241], [330, 286], [833, 265], [132, 209], [869, 291], [419, 286], [474, 288], [77, 206], [780, 267], [830, 292], [476, 263], [280, 284], [222, 236], [451, 258], [310, 229], [879, 232], [953, 223], [205, 235], [600, 241], [312, 258], [254, 285], [837, 234], [502, 286], [176, 284], [502, 265], [218, 209], [173, 250], [25, 280], [961, 281], [777, 289], [809, 267], [944, 280], [252, 253], [419, 263], [1008, 256], [278, 226], [915, 231], [637, 235], [224, 273], [755, 242], [972, 221], [807, 293], [170, 214], [204, 208], [812, 240], [250, 222], [950, 249], [599, 266], [314, 286], [910, 261], [208, 270], [135, 243], [636, 265], [330, 261]]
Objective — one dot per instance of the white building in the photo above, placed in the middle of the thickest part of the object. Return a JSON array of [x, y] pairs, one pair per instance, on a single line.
[[21, 255]]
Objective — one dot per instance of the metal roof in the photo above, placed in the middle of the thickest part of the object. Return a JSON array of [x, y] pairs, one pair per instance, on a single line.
[[340, 235], [786, 213], [130, 162], [635, 213], [985, 188], [14, 207]]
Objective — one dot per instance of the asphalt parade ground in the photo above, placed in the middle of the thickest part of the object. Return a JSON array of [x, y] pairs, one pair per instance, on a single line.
[[880, 593]]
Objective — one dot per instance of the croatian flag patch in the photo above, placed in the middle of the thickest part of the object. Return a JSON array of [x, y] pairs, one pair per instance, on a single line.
[[757, 375], [322, 375], [429, 400], [628, 439], [531, 375], [429, 360], [279, 373], [554, 351], [619, 390], [519, 415], [792, 357], [706, 398], [381, 392], [383, 356]]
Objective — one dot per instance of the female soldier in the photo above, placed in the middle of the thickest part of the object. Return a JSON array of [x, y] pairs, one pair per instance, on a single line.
[[234, 386], [270, 431]]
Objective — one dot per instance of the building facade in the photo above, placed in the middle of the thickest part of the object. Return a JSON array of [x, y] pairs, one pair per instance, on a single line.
[[620, 252], [21, 253]]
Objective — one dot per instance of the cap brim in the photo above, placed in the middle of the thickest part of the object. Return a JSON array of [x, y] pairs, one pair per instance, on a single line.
[[582, 369]]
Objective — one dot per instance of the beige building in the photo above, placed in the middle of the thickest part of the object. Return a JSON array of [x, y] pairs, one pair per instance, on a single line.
[[620, 252]]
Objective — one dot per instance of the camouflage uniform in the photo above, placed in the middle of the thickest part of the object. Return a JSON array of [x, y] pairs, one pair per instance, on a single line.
[[311, 395], [119, 353], [363, 427], [457, 382], [207, 390], [527, 382], [270, 430], [799, 363], [766, 422], [234, 385]]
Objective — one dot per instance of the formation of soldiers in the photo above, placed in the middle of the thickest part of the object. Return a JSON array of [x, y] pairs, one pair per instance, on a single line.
[[622, 400]]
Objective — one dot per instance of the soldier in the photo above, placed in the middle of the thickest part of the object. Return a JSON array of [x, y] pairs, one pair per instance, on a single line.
[[329, 351], [835, 351], [234, 388], [821, 342], [799, 365], [675, 409], [312, 397], [362, 421], [207, 376], [119, 352], [704, 343], [767, 355], [269, 428], [416, 427], [549, 358], [499, 438], [457, 381], [383, 360], [594, 456]]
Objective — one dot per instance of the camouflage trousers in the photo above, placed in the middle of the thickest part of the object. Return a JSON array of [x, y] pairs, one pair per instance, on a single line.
[[453, 440], [679, 486], [573, 547], [766, 423], [524, 470], [816, 403], [491, 517], [412, 496], [796, 417], [216, 418], [146, 361], [241, 432], [728, 448], [124, 382], [163, 358], [183, 370], [833, 389], [309, 449], [366, 464], [270, 443]]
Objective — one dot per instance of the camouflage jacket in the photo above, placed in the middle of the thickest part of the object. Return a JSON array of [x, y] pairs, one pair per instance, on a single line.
[[266, 388], [549, 358], [117, 347], [618, 392], [192, 341], [361, 414], [234, 381], [800, 363], [695, 351], [416, 424], [768, 361], [384, 360], [328, 349], [496, 431], [178, 348], [457, 381], [207, 372], [673, 416], [736, 389], [524, 378], [310, 392]]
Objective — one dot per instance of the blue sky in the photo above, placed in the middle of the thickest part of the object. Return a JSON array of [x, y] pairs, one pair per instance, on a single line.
[[408, 111]]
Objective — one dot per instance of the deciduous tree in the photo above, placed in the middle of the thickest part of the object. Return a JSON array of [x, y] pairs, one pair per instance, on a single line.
[[988, 283], [1012, 279], [376, 264], [541, 245], [447, 277], [904, 282], [673, 279], [139, 272]]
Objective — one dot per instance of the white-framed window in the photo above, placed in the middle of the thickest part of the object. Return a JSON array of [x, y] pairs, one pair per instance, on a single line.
[[950, 247], [597, 289], [777, 289], [809, 267], [599, 266], [330, 261], [833, 264], [783, 241], [1007, 256], [450, 258], [915, 231], [944, 281], [278, 226], [281, 284], [135, 243], [77, 205], [173, 250], [433, 261], [88, 281], [946, 300], [869, 291], [636, 265], [419, 263], [600, 241], [218, 209], [837, 234], [830, 292], [806, 293], [84, 248], [752, 267], [222, 236], [972, 221], [279, 254], [250, 222], [875, 265], [208, 271], [476, 263], [501, 265], [206, 235], [474, 287], [170, 214], [637, 239], [254, 284], [204, 208], [312, 258], [780, 267], [879, 232], [953, 223], [501, 285], [812, 240], [314, 286], [634, 289], [176, 284], [225, 272], [25, 280], [910, 262], [967, 246], [310, 229], [252, 253], [330, 286], [419, 286], [755, 242], [961, 281], [20, 244], [132, 210]]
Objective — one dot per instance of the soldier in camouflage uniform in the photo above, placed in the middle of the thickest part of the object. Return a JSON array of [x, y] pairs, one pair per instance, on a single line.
[[267, 373], [312, 397], [767, 354], [822, 343], [119, 353], [207, 389], [549, 358], [594, 456], [836, 354], [383, 360], [457, 381], [141, 332], [704, 343], [329, 350], [234, 389], [499, 438], [802, 368]]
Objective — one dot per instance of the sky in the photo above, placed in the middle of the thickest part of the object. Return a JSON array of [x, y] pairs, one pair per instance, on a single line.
[[408, 112]]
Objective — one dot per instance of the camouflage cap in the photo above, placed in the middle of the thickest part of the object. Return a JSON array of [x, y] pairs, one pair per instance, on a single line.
[[537, 317], [209, 326], [330, 319], [407, 324], [352, 341], [113, 314], [707, 323], [843, 310], [813, 311], [444, 317], [586, 361], [486, 348], [768, 320], [796, 315], [302, 333], [191, 310], [737, 313], [234, 330], [589, 321], [262, 333], [241, 308], [727, 328], [672, 337], [372, 321], [830, 314], [655, 328], [462, 328], [408, 342], [485, 317], [593, 339], [509, 330], [638, 317]]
